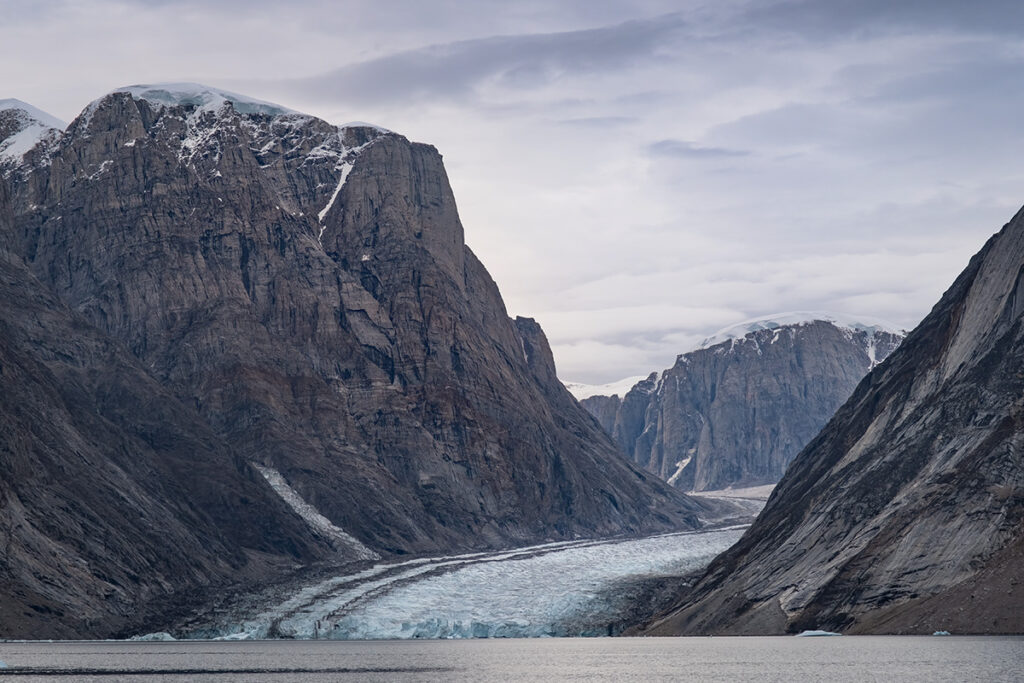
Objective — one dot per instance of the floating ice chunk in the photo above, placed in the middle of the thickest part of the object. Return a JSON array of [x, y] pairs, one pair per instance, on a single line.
[[242, 635], [941, 633], [2, 664], [152, 637], [815, 634]]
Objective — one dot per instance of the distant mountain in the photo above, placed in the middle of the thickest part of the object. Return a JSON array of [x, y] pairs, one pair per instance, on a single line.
[[906, 513], [736, 411], [24, 128], [248, 300]]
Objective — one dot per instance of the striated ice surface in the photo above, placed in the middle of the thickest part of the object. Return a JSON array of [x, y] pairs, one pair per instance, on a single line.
[[558, 589]]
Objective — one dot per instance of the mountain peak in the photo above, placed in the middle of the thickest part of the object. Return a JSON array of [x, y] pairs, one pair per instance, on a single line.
[[793, 318], [22, 127], [34, 113], [204, 96]]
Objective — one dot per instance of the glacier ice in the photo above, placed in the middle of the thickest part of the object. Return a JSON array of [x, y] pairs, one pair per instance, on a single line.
[[574, 588]]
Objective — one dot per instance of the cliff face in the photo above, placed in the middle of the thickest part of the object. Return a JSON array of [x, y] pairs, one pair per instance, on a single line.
[[117, 502], [303, 291], [735, 413], [906, 513]]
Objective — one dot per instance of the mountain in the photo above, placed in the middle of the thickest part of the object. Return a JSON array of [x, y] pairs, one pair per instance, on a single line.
[[24, 128], [284, 310], [737, 410], [117, 502], [906, 513]]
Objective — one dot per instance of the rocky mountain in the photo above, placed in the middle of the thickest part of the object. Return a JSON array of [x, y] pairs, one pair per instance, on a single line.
[[736, 411], [117, 502], [221, 310], [906, 513]]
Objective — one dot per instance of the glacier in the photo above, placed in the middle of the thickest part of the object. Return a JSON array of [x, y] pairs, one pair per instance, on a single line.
[[573, 588]]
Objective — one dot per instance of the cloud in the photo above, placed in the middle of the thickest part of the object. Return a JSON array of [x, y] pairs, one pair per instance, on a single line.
[[599, 121], [461, 69], [825, 19], [634, 173], [682, 149]]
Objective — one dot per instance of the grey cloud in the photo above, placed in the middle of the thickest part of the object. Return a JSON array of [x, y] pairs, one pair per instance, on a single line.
[[598, 121], [456, 70], [682, 149], [818, 19]]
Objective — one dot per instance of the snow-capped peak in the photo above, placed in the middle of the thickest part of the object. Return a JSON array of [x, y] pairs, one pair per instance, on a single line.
[[841, 320], [33, 113], [203, 96], [620, 388], [23, 127]]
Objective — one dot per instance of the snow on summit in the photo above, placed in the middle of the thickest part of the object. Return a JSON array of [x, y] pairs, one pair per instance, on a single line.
[[850, 322], [22, 127], [34, 113], [174, 94]]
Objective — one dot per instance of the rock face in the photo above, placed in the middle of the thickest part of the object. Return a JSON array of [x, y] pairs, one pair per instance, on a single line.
[[906, 513], [302, 295], [738, 410], [117, 502]]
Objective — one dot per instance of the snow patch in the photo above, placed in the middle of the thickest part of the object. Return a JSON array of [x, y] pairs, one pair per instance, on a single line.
[[100, 170], [346, 162], [312, 516], [680, 466], [345, 169], [619, 388]]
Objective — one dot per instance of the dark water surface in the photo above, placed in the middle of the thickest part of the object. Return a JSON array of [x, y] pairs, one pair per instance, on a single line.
[[865, 658]]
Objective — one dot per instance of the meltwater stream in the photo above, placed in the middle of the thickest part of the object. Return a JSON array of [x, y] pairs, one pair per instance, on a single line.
[[558, 589]]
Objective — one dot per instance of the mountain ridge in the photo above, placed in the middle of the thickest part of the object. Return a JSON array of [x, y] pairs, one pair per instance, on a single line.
[[733, 414], [904, 514], [305, 291]]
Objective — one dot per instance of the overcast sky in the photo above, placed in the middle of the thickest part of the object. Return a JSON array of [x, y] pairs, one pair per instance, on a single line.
[[635, 175]]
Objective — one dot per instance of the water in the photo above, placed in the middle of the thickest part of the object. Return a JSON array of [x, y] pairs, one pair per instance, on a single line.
[[890, 659]]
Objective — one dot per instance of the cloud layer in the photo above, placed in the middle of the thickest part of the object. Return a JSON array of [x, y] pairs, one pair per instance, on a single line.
[[634, 174]]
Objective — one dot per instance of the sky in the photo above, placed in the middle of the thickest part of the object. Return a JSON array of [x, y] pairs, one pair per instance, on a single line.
[[634, 175]]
